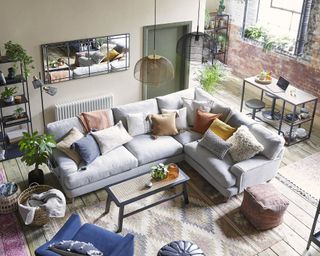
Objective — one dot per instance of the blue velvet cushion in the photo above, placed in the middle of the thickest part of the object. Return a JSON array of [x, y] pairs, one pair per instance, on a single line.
[[71, 247], [87, 148]]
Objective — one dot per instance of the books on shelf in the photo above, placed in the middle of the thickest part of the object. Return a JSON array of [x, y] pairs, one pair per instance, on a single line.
[[15, 136], [12, 119]]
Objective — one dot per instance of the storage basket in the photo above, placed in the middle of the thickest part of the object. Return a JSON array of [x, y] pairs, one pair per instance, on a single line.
[[9, 204], [41, 216]]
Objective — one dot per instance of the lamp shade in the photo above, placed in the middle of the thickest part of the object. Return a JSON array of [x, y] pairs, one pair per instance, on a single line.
[[154, 70], [196, 46]]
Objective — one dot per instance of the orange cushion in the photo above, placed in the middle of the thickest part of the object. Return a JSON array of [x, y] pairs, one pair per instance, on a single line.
[[223, 130], [203, 121]]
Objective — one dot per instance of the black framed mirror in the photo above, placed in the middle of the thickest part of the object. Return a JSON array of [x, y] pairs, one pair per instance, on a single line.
[[81, 58]]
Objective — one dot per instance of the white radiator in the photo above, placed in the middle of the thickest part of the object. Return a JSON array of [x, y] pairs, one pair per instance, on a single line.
[[72, 109]]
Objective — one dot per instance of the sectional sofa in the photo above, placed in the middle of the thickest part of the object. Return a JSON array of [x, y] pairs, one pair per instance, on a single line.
[[143, 151]]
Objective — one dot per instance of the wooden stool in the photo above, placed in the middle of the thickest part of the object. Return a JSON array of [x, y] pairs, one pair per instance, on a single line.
[[272, 114], [263, 206], [255, 105]]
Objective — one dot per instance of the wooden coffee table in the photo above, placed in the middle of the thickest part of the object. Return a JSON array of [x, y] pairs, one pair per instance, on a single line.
[[133, 189]]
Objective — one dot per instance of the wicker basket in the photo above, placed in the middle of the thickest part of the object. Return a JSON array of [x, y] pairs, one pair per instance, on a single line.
[[40, 217], [9, 204]]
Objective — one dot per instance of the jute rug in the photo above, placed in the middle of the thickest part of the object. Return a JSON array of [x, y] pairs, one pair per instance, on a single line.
[[218, 228], [296, 174], [12, 240]]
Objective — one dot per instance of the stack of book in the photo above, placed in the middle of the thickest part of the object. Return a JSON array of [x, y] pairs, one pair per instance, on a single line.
[[15, 136]]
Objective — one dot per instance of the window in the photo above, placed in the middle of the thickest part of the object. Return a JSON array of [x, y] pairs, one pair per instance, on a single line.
[[280, 25]]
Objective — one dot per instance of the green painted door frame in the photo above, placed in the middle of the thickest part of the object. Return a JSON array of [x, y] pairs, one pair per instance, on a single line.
[[183, 65]]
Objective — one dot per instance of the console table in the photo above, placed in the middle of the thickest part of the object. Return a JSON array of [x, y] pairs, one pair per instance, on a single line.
[[292, 96]]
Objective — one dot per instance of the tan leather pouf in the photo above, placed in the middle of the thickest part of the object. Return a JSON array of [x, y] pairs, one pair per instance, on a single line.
[[263, 206]]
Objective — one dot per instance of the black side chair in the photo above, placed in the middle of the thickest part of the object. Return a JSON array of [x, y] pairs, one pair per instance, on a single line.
[[255, 105], [271, 114]]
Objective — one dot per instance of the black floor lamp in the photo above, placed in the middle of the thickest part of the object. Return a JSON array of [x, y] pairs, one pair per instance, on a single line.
[[38, 83]]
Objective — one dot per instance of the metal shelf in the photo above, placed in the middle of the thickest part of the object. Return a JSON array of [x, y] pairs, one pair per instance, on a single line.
[[5, 105], [17, 80]]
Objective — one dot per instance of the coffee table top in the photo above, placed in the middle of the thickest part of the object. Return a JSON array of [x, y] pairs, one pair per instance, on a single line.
[[133, 189]]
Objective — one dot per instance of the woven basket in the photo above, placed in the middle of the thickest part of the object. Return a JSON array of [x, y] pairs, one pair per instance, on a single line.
[[41, 216], [9, 204]]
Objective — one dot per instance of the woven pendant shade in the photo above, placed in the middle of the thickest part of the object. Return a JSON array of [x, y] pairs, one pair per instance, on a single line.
[[154, 70]]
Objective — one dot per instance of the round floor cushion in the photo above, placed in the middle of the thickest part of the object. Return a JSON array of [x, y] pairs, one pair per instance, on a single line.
[[263, 206], [181, 248]]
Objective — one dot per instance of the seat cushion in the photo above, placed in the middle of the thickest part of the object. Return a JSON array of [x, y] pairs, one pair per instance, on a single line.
[[102, 167], [174, 100], [216, 168], [146, 149], [186, 137]]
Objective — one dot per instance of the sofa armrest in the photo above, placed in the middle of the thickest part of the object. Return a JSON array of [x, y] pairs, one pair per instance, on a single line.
[[125, 248]]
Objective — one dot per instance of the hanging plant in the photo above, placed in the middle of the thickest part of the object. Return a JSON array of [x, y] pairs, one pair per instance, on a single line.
[[15, 52]]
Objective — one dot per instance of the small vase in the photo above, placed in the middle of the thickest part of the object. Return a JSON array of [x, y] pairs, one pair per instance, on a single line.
[[173, 171], [9, 99], [11, 73]]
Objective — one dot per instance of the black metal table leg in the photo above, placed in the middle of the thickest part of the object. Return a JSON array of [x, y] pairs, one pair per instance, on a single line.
[[185, 193], [108, 203], [242, 95], [313, 114], [120, 219], [281, 118], [291, 123]]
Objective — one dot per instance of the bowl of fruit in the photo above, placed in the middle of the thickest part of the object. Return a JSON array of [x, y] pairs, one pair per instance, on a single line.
[[264, 77]]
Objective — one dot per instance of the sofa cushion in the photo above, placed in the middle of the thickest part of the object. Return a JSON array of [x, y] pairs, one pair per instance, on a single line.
[[146, 149], [186, 137], [192, 107], [121, 112], [236, 119], [218, 107], [102, 167], [221, 129], [87, 148], [203, 121], [218, 169], [138, 123], [164, 124], [174, 100], [181, 117], [200, 94]]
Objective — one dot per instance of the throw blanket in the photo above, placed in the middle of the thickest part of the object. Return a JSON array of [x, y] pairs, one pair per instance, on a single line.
[[95, 120], [52, 200]]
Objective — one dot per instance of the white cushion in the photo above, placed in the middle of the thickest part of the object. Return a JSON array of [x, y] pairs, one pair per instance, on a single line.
[[181, 117], [111, 138], [138, 123], [192, 107]]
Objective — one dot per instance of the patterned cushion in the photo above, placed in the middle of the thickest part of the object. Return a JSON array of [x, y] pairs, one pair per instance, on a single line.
[[180, 248], [74, 248]]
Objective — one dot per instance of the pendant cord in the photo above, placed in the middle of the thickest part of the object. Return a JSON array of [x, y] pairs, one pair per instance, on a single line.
[[198, 17], [154, 28]]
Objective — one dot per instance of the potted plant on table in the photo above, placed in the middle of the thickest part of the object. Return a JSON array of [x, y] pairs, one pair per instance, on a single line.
[[36, 150], [159, 172], [7, 94]]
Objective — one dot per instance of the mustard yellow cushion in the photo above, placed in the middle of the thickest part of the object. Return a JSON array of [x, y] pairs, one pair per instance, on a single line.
[[223, 130], [110, 55]]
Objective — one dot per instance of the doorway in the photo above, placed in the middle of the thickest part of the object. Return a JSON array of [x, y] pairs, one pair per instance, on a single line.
[[167, 36]]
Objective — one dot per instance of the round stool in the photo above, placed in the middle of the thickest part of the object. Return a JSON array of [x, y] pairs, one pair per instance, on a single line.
[[255, 105], [181, 248], [271, 114]]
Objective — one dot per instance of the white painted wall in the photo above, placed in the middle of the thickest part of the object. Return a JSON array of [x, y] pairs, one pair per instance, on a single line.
[[212, 5], [35, 22]]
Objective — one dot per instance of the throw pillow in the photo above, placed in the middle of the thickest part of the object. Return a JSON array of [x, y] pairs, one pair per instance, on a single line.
[[110, 55], [220, 108], [111, 138], [138, 123], [244, 145], [65, 144], [70, 248], [95, 120], [215, 144], [97, 56], [164, 124], [223, 130], [203, 121], [87, 148], [192, 107], [181, 117]]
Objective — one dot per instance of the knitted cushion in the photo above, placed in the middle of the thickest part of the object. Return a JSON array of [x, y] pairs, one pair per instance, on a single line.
[[180, 248], [263, 206]]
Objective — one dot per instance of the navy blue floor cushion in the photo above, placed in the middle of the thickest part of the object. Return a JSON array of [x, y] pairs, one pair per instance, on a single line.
[[181, 248]]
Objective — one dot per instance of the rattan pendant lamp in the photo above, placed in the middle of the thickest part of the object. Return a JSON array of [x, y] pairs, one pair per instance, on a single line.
[[196, 46], [154, 69]]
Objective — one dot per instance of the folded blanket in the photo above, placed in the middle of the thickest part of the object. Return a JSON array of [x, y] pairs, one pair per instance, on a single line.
[[95, 120]]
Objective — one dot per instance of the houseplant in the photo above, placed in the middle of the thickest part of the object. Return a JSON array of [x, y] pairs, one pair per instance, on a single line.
[[18, 112], [16, 52], [7, 94], [36, 150], [159, 172]]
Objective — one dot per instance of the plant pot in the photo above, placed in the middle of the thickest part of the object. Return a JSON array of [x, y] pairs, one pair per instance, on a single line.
[[36, 176], [9, 99]]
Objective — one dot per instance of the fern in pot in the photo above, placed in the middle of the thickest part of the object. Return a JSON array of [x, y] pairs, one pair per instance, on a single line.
[[36, 150], [8, 94]]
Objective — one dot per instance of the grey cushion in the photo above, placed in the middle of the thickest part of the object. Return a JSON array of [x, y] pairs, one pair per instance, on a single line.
[[186, 137], [173, 100], [87, 148], [146, 149], [97, 56], [113, 162], [192, 107], [218, 169], [236, 119], [215, 144], [272, 142], [200, 94], [218, 108], [121, 112]]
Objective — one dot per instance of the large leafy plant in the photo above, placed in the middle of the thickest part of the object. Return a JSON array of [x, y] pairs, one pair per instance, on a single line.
[[36, 148], [16, 52]]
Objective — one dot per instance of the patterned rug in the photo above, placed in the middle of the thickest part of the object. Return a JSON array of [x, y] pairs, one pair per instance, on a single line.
[[12, 240], [217, 228], [294, 176]]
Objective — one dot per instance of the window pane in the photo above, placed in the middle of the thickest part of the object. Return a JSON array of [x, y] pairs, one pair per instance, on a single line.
[[294, 6]]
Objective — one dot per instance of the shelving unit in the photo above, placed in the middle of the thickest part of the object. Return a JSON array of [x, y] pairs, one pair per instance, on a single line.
[[219, 31], [7, 117]]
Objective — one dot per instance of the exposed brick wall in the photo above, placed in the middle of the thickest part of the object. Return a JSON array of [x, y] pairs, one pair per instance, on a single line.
[[247, 59]]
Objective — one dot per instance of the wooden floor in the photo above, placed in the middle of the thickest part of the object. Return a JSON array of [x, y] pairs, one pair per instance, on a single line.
[[297, 220]]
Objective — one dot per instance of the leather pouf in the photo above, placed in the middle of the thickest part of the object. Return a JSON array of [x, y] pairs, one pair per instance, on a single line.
[[263, 206], [181, 248]]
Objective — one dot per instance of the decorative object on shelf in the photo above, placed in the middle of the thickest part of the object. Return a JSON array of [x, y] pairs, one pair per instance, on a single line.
[[292, 118], [17, 99], [2, 78], [196, 46], [7, 94], [148, 185], [304, 113], [9, 193], [18, 112], [15, 52], [287, 137], [301, 133], [36, 150], [221, 7], [154, 69], [159, 172], [173, 171], [11, 73]]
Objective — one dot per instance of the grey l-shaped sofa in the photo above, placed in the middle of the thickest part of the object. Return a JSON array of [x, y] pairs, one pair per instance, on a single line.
[[138, 155]]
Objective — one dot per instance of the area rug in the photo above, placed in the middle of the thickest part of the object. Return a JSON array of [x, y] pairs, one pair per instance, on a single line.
[[218, 229], [12, 240], [294, 176]]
